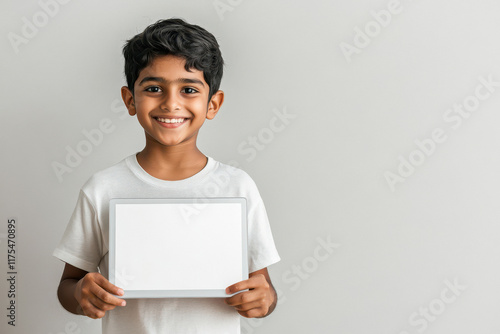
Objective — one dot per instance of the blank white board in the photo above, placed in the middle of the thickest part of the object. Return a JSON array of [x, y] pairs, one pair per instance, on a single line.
[[177, 247]]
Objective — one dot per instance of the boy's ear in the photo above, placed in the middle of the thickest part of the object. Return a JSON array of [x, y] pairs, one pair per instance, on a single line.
[[215, 104], [128, 99]]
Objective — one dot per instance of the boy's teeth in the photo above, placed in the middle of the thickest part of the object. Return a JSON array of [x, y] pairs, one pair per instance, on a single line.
[[171, 120]]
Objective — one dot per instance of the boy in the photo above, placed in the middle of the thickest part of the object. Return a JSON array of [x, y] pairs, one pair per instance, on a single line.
[[173, 71]]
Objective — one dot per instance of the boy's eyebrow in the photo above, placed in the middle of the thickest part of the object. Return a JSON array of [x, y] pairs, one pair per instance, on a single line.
[[179, 80]]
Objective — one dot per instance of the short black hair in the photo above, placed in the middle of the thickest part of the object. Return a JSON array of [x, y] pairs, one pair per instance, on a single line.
[[175, 37]]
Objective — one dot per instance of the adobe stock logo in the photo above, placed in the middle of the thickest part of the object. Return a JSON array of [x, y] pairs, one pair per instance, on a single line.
[[300, 272], [253, 144], [223, 6], [363, 37], [426, 315], [295, 276], [84, 147], [454, 116], [92, 139], [31, 27]]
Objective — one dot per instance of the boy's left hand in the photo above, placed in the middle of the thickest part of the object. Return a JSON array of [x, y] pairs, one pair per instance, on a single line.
[[258, 301]]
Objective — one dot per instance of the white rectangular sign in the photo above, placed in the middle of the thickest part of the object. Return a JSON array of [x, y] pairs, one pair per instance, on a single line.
[[177, 247]]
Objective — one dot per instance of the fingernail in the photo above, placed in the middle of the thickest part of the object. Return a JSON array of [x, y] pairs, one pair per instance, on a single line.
[[124, 303], [120, 291]]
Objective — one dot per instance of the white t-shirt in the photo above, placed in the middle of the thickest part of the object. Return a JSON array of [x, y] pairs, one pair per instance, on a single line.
[[85, 244]]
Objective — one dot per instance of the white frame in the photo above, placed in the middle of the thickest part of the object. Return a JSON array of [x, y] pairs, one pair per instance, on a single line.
[[178, 293]]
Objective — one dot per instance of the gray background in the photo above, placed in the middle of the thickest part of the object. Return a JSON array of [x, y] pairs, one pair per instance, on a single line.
[[322, 176]]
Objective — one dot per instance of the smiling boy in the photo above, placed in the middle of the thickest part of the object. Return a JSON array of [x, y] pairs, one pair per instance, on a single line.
[[173, 72]]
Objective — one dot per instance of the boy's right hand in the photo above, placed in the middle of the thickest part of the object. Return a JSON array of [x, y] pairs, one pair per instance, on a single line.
[[94, 294]]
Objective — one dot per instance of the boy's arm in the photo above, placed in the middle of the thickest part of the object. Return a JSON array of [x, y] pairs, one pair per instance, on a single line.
[[84, 293], [70, 277], [261, 298]]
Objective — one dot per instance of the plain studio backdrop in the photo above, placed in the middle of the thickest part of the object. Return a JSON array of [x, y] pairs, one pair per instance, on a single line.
[[370, 128]]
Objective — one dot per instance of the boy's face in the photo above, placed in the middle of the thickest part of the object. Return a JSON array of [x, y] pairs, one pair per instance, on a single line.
[[170, 102]]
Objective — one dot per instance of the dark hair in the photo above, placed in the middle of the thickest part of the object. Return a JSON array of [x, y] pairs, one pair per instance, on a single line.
[[175, 37]]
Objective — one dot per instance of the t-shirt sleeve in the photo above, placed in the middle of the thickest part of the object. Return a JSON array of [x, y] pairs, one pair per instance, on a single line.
[[81, 244], [261, 248]]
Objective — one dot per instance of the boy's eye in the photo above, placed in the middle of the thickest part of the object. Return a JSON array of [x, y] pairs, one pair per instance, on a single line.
[[153, 89], [189, 90]]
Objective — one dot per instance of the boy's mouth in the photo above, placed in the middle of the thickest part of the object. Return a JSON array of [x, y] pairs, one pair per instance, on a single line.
[[170, 120]]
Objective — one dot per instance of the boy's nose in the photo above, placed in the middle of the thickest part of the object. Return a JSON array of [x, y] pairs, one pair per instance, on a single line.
[[170, 103]]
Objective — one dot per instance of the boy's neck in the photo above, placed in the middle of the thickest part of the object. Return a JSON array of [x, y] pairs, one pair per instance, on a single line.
[[171, 163]]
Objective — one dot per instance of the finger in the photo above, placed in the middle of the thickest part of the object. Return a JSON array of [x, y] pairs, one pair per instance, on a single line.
[[90, 310], [98, 306], [105, 297], [108, 286], [243, 298], [253, 313], [246, 284], [248, 306], [253, 282]]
